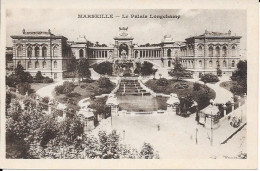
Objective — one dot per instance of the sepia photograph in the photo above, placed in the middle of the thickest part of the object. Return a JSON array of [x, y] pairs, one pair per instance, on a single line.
[[126, 84]]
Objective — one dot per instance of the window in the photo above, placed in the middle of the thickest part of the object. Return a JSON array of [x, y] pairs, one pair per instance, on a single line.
[[29, 65], [169, 63], [169, 53], [224, 49], [211, 51], [233, 63], [44, 51], [37, 51], [210, 63], [233, 52], [19, 51], [217, 63], [43, 64], [55, 76], [36, 64], [224, 64], [29, 51], [55, 64], [81, 53], [217, 51], [200, 51], [54, 51], [200, 63]]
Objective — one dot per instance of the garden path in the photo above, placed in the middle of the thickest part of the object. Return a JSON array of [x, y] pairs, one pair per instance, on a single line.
[[222, 95], [47, 90]]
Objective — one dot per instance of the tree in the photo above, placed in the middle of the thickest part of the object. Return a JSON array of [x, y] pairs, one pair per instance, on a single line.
[[240, 77], [104, 68], [19, 76], [209, 78], [147, 151], [147, 68], [83, 69], [179, 71]]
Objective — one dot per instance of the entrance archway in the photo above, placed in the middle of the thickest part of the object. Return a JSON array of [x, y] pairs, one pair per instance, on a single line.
[[123, 50]]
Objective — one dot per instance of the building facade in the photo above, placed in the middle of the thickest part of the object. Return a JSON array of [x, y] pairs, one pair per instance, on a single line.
[[210, 51], [50, 54], [41, 51]]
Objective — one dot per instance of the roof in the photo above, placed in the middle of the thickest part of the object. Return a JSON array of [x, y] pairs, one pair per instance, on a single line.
[[212, 34], [173, 99], [210, 110], [37, 34]]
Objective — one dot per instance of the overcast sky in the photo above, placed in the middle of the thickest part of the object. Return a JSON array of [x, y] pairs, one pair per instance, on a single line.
[[67, 23]]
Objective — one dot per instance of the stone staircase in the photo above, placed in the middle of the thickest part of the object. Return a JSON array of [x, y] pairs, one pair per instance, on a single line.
[[131, 87]]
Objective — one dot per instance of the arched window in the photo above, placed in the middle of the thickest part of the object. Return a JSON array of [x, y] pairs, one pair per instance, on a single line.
[[106, 54], [44, 51], [169, 53], [224, 64], [217, 63], [54, 51], [233, 52], [36, 64], [217, 51], [233, 63], [19, 51], [29, 52], [136, 54], [211, 51], [210, 63], [43, 64], [29, 65], [169, 63], [224, 51], [200, 63], [37, 51], [55, 64], [200, 51]]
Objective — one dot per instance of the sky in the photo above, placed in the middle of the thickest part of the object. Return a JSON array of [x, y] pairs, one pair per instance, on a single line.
[[66, 22]]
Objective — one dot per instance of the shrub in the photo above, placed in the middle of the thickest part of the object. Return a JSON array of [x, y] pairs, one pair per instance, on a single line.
[[59, 89], [104, 82], [104, 68], [162, 82], [73, 95], [209, 78], [219, 72], [147, 68], [39, 76], [68, 87], [196, 86], [47, 80]]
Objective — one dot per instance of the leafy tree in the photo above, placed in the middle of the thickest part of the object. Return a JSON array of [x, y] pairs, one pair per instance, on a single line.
[[147, 68], [23, 88], [219, 72], [147, 151], [179, 71], [240, 76], [19, 76], [104, 82], [83, 69], [104, 68]]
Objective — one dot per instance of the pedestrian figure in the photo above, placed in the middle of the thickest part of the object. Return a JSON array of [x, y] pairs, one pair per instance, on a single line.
[[158, 126]]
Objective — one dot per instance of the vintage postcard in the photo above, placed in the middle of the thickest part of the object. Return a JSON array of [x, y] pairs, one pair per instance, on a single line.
[[150, 84]]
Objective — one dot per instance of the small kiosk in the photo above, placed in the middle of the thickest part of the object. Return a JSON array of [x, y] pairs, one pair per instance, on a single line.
[[209, 116], [87, 117], [172, 103], [112, 102]]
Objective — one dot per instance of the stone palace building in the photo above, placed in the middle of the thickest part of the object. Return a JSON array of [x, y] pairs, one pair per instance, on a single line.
[[50, 54]]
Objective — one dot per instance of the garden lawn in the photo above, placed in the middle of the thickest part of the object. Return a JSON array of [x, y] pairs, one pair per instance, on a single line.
[[201, 96], [227, 84], [82, 91]]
